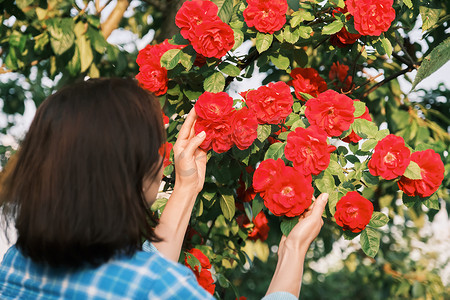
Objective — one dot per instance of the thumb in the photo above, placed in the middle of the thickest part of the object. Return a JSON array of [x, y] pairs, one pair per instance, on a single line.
[[194, 143], [319, 204]]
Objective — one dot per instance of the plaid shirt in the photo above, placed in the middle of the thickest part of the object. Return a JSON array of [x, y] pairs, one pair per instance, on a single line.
[[145, 275]]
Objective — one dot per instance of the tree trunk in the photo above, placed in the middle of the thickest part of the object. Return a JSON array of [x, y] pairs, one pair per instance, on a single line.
[[168, 27]]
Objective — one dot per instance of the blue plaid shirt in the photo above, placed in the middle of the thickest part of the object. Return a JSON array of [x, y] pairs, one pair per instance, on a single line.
[[145, 275]]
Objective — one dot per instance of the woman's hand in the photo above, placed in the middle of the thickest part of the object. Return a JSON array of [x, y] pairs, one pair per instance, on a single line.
[[292, 251], [190, 161]]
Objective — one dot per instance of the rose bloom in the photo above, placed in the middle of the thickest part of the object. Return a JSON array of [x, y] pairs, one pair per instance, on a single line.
[[203, 276], [339, 73], [266, 174], [390, 158], [307, 80], [193, 13], [308, 150], [151, 54], [331, 111], [372, 17], [353, 212], [432, 172], [218, 134], [271, 104], [260, 230], [266, 15], [213, 38], [353, 137], [291, 193], [153, 77], [214, 106], [164, 151], [165, 118], [243, 128]]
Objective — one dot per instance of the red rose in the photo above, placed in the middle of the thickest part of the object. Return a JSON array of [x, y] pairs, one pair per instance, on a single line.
[[151, 54], [308, 150], [331, 111], [271, 103], [214, 106], [307, 80], [261, 228], [203, 276], [353, 137], [353, 212], [165, 119], [153, 77], [243, 128], [432, 172], [218, 134], [339, 73], [291, 193], [193, 13], [213, 38], [164, 151], [372, 17], [266, 174], [266, 15], [390, 158]]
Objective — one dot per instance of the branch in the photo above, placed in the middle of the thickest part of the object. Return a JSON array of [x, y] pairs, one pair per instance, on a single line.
[[250, 59], [386, 80], [114, 18]]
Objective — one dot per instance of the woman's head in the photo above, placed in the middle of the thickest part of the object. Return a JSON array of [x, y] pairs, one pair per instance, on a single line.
[[76, 187]]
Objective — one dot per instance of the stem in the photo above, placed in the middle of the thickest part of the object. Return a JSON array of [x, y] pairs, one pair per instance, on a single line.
[[386, 80]]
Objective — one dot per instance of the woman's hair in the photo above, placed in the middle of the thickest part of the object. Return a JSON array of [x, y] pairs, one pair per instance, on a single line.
[[75, 188]]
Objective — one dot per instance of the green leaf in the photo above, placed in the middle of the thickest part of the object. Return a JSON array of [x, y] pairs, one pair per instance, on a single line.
[[413, 171], [193, 261], [263, 132], [360, 108], [382, 134], [430, 16], [238, 39], [86, 55], [370, 241], [222, 280], [171, 58], [291, 36], [275, 151], [348, 235], [263, 41], [369, 145], [304, 32], [97, 40], [364, 128], [378, 219], [299, 16], [408, 3], [214, 83], [370, 179], [280, 61], [325, 182], [333, 199], [229, 69], [257, 205], [300, 57], [433, 61], [62, 35], [410, 201], [432, 202], [287, 225], [74, 65], [333, 27], [159, 204], [227, 205], [387, 46], [225, 9]]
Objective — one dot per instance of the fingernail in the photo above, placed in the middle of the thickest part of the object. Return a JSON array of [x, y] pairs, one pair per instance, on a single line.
[[202, 134]]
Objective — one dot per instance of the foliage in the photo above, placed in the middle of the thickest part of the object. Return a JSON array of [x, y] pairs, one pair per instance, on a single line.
[[63, 42]]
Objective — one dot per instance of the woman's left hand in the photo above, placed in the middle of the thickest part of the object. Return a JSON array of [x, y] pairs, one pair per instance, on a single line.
[[190, 160]]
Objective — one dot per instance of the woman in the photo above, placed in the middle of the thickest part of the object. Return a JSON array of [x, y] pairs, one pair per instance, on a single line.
[[79, 192]]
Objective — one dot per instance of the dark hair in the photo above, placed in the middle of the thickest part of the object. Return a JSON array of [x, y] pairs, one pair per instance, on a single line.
[[75, 187]]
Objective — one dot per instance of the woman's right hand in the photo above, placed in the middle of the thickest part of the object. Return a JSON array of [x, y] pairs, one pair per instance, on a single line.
[[308, 226]]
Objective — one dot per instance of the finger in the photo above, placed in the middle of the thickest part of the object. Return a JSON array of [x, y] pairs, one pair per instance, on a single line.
[[319, 205], [188, 124], [194, 143], [192, 133]]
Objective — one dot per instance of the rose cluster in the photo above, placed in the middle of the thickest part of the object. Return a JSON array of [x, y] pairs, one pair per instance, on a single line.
[[285, 190], [202, 273], [224, 125], [266, 15], [199, 23], [151, 75], [392, 157]]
